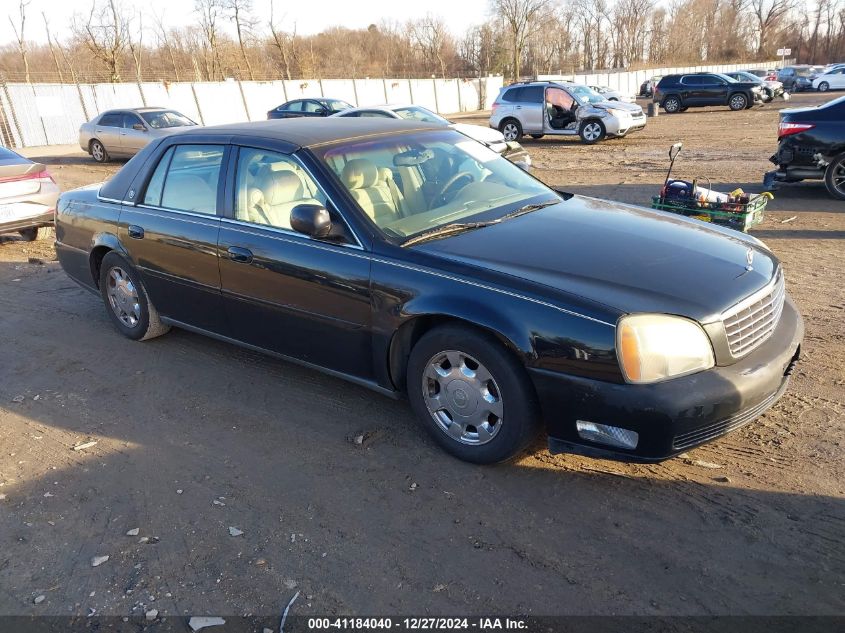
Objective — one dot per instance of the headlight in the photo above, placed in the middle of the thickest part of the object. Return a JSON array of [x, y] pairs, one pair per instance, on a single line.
[[654, 347]]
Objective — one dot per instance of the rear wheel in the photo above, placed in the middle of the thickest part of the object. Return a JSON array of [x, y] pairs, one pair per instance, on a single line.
[[511, 129], [98, 151], [824, 86], [472, 396], [127, 304], [32, 234], [591, 131], [834, 177], [672, 105], [738, 102]]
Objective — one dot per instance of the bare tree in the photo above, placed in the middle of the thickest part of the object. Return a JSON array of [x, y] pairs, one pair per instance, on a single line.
[[105, 35], [209, 12], [164, 41], [244, 24], [769, 14], [20, 36], [52, 48], [283, 41], [136, 47], [431, 37], [521, 17]]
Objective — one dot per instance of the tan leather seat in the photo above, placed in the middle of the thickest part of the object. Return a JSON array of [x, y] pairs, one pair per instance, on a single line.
[[371, 190], [276, 194], [188, 192]]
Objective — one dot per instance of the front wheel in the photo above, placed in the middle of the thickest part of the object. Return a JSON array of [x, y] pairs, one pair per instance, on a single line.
[[591, 131], [834, 177], [471, 395], [127, 304], [511, 129], [738, 102], [824, 86]]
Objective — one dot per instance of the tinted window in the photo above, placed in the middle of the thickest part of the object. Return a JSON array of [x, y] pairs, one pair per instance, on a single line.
[[531, 94], [269, 186], [112, 119], [510, 94], [130, 119], [313, 106], [293, 106], [375, 114], [191, 178], [154, 187]]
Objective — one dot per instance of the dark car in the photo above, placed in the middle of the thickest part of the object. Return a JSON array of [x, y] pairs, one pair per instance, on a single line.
[[811, 146], [769, 89], [308, 108], [413, 260], [797, 78], [676, 93], [28, 196]]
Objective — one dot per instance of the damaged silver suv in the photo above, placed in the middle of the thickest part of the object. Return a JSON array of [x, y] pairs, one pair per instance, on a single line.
[[544, 107]]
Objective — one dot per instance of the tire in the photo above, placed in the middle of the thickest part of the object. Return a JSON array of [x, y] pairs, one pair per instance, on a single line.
[[591, 131], [824, 86], [537, 136], [737, 102], [672, 104], [490, 376], [33, 234], [834, 177], [98, 151], [511, 129], [684, 109], [121, 287]]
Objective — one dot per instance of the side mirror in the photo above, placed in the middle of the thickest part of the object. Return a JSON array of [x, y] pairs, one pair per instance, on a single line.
[[311, 219], [140, 127]]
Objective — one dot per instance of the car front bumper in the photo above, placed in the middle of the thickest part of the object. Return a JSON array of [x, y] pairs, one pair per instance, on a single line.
[[675, 415], [620, 126]]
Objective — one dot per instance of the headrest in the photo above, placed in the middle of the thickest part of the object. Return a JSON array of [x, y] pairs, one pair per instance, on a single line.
[[359, 174], [384, 174], [280, 187]]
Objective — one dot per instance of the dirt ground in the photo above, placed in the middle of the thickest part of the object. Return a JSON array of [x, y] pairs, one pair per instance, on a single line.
[[196, 436]]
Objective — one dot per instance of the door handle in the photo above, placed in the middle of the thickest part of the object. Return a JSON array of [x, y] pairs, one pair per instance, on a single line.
[[240, 255], [519, 107], [136, 232]]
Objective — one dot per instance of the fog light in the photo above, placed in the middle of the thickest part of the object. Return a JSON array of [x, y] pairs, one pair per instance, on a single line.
[[605, 434]]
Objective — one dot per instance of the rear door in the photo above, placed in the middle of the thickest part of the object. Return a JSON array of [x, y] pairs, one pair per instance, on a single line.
[[304, 298], [530, 108], [107, 131], [171, 235]]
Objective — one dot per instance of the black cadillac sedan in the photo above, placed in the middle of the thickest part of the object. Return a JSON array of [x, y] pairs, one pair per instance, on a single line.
[[416, 261]]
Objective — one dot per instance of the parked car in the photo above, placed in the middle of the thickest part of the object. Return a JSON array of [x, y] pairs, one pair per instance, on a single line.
[[123, 133], [796, 78], [414, 261], [771, 89], [833, 79], [677, 93], [612, 95], [28, 195], [647, 87], [547, 107], [757, 72], [308, 108], [811, 146], [493, 139]]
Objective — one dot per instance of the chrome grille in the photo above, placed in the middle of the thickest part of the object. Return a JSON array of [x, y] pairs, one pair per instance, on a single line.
[[752, 320]]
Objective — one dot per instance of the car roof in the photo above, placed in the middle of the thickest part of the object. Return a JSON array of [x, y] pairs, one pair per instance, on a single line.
[[310, 132], [143, 109]]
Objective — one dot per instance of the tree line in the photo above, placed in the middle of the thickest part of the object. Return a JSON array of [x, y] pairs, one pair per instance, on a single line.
[[116, 41]]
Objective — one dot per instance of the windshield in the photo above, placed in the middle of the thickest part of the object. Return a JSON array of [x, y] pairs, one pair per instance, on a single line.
[[585, 95], [416, 182], [165, 118], [748, 77], [336, 105], [416, 113]]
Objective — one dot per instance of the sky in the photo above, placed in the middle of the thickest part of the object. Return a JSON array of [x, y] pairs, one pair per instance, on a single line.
[[310, 16]]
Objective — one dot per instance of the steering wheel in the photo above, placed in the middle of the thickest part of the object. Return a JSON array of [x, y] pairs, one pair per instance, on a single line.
[[442, 198]]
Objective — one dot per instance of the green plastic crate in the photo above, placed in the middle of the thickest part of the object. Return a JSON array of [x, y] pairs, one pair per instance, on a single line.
[[735, 215]]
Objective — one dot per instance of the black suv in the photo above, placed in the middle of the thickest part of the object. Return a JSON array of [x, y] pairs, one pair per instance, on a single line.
[[811, 146], [676, 93]]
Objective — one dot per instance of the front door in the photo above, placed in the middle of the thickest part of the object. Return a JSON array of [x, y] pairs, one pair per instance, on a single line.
[[171, 236], [284, 291], [132, 138]]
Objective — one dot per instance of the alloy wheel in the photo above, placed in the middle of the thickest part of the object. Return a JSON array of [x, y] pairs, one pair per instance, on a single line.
[[671, 105], [592, 131], [738, 102], [123, 297], [823, 86], [97, 151], [462, 397], [510, 131], [838, 177]]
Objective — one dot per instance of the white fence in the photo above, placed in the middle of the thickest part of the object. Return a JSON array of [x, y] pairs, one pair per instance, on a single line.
[[629, 82], [50, 114]]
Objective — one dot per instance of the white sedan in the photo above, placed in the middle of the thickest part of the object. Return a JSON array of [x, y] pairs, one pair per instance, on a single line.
[[493, 139], [831, 80]]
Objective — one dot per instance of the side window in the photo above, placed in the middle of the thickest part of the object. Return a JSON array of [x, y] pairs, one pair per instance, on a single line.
[[113, 119], [130, 119], [293, 106], [190, 183], [691, 80], [532, 94], [511, 95], [375, 114], [312, 106], [269, 185], [152, 196]]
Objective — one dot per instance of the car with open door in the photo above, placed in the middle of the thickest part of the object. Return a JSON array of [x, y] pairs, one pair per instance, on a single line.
[[417, 262], [543, 107]]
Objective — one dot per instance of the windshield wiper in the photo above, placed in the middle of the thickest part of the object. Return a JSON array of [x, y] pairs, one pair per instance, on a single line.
[[460, 227]]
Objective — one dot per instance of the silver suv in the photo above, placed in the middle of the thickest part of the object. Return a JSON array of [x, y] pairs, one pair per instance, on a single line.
[[544, 107]]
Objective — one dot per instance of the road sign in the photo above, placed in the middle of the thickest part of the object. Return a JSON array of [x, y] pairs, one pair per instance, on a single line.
[[782, 52]]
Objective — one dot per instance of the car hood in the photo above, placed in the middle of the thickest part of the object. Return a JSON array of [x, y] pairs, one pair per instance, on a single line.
[[617, 105], [480, 133], [628, 258]]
